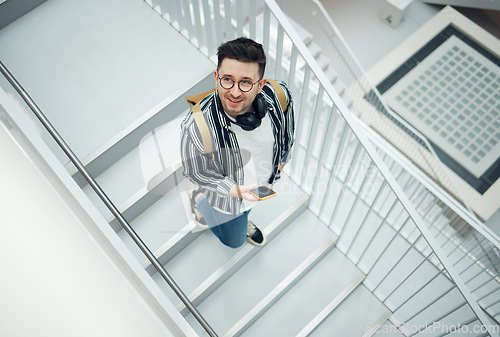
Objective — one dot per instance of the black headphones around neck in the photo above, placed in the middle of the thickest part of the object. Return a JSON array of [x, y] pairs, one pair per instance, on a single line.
[[251, 120]]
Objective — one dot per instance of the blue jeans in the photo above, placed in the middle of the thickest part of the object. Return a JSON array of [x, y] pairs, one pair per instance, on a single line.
[[231, 230]]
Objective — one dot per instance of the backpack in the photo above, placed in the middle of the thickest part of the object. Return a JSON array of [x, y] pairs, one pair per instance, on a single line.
[[194, 104]]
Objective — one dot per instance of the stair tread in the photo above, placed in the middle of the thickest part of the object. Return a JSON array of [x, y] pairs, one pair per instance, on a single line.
[[307, 298], [360, 302], [160, 152], [388, 330], [305, 35], [120, 182], [159, 222], [117, 65], [314, 48], [348, 100], [339, 86], [323, 62], [331, 74], [243, 290], [129, 178]]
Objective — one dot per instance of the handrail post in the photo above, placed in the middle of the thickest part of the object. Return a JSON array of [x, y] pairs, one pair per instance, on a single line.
[[116, 213]]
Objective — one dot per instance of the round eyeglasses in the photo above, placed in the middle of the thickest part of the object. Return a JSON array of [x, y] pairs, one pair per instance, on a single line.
[[244, 85]]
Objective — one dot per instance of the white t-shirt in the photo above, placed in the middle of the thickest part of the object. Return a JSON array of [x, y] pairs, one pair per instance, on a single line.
[[256, 148]]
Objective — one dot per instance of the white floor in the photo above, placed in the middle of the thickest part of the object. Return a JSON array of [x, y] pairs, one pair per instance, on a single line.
[[366, 34]]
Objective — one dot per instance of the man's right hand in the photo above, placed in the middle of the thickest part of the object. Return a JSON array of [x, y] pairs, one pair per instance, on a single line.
[[243, 192]]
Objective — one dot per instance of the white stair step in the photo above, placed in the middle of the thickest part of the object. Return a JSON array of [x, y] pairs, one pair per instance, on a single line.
[[355, 111], [160, 152], [320, 59], [339, 86], [174, 245], [281, 289], [377, 325], [333, 305], [361, 303], [144, 198], [143, 175], [307, 298], [225, 271], [305, 36], [120, 182], [331, 74], [260, 275], [314, 48], [322, 62], [348, 100], [160, 221], [388, 330]]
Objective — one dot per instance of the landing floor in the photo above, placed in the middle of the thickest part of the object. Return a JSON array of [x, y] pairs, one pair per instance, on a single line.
[[94, 67]]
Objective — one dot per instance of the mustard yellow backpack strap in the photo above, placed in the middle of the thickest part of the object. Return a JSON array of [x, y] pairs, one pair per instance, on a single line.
[[194, 99], [278, 89], [203, 128], [201, 123]]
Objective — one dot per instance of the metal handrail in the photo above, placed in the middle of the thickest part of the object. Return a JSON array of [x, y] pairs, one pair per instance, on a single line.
[[116, 213]]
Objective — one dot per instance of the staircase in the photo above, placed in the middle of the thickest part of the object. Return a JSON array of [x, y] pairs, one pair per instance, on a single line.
[[308, 280], [290, 287]]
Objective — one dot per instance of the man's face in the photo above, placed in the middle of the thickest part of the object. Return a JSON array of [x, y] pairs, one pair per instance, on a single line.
[[234, 101]]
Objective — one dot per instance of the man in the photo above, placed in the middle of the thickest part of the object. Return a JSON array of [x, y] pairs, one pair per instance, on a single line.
[[251, 138]]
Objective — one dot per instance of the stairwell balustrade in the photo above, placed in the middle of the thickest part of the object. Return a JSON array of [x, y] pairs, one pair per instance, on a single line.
[[452, 215]]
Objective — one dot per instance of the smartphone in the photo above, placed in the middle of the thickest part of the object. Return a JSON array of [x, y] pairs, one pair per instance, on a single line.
[[263, 192]]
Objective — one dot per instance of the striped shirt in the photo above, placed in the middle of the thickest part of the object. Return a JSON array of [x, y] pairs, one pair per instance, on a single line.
[[216, 174]]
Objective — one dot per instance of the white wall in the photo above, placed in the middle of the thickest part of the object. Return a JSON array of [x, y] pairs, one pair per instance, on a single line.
[[56, 278]]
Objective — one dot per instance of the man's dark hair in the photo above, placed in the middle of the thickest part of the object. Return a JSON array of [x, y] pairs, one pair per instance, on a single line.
[[244, 50]]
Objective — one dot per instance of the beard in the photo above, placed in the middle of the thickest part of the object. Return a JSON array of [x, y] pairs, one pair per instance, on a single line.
[[235, 106]]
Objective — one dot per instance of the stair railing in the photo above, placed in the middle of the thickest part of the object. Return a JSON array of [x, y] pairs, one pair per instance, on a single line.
[[337, 165], [105, 199], [446, 206]]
